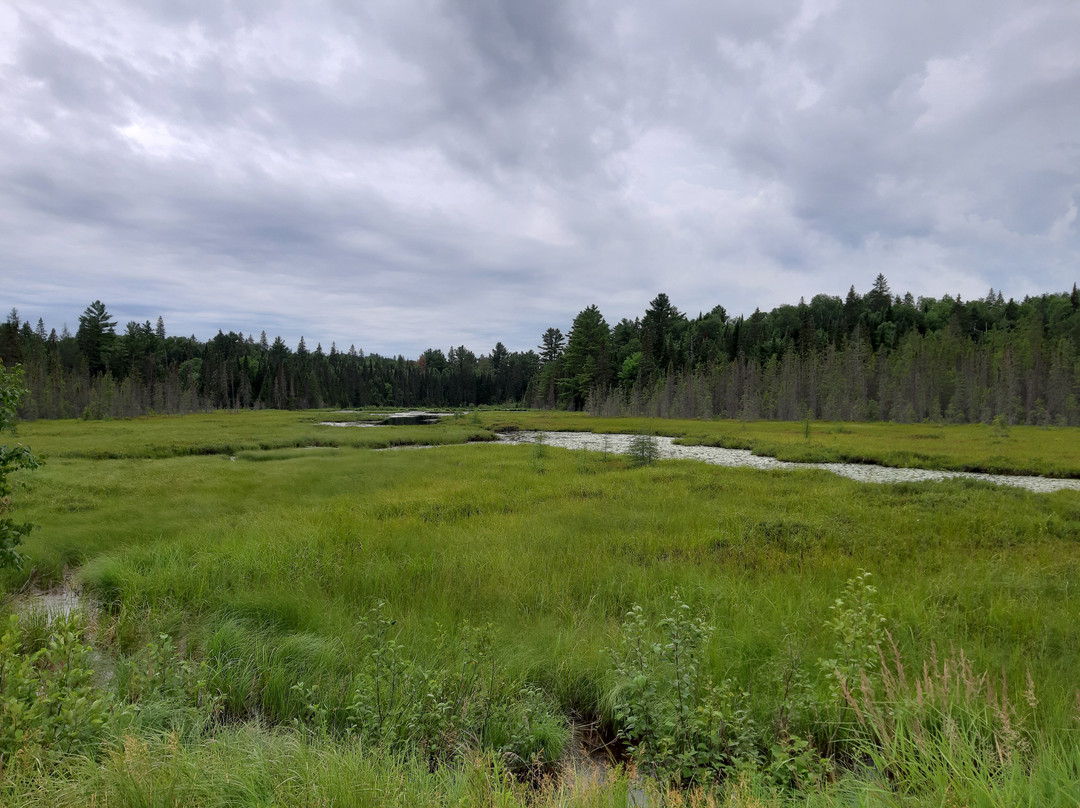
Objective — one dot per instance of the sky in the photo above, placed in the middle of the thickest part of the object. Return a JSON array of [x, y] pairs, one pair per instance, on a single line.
[[405, 174]]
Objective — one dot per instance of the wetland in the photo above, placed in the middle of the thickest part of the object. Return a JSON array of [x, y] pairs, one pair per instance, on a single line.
[[437, 627]]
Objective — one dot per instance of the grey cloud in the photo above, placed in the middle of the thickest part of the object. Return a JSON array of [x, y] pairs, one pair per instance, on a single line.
[[522, 46], [402, 175]]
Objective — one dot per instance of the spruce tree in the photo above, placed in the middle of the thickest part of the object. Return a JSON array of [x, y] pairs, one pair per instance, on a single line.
[[96, 336]]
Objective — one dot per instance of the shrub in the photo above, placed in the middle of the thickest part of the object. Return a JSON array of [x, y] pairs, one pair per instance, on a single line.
[[12, 458], [678, 722], [50, 705], [460, 703], [644, 450], [858, 630]]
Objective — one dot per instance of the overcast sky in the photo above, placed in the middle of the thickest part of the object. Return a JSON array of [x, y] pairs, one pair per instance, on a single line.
[[418, 173]]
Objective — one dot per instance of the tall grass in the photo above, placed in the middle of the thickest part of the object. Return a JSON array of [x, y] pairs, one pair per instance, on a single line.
[[229, 433], [265, 575]]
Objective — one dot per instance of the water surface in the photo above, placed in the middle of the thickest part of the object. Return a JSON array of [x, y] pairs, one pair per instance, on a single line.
[[863, 472]]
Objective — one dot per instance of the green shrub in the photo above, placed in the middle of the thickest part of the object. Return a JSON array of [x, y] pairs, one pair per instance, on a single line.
[[12, 458], [461, 701], [858, 630], [675, 719], [644, 450], [50, 705]]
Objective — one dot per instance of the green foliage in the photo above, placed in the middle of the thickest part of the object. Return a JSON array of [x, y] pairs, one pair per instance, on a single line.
[[683, 723], [12, 458], [673, 716], [459, 702], [630, 371], [867, 357], [858, 631], [157, 671], [50, 705], [644, 449], [263, 575], [96, 336], [585, 367], [551, 346], [1000, 426]]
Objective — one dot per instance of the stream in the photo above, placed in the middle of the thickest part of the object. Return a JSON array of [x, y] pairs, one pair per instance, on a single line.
[[863, 472]]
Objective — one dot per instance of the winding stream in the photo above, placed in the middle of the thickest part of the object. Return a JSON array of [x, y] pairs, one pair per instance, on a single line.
[[620, 444]]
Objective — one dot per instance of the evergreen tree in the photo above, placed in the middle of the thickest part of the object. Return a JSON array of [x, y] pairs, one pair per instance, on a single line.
[[498, 356], [551, 346], [10, 341], [586, 368], [879, 298], [853, 309], [660, 329], [905, 360], [96, 336]]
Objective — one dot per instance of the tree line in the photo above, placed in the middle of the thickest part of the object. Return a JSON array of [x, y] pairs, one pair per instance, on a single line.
[[876, 356], [99, 373], [872, 356]]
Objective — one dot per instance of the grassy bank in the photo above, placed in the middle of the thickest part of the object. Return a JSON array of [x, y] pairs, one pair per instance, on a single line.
[[422, 625], [228, 433]]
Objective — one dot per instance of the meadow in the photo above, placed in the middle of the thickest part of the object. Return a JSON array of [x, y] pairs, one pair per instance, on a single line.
[[284, 613]]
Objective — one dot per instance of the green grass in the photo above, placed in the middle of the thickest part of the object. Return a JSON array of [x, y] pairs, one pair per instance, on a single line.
[[1030, 450], [228, 433], [268, 565]]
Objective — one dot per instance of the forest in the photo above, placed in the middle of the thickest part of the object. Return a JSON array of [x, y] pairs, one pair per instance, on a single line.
[[865, 357]]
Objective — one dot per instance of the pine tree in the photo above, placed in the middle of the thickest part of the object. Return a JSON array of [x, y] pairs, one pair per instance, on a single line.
[[585, 363], [551, 345], [879, 298], [660, 332], [96, 336], [10, 343]]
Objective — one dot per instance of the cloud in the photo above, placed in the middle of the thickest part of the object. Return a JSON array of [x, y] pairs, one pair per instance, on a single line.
[[401, 175]]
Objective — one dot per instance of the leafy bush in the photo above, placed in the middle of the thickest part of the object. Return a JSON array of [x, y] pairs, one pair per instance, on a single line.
[[12, 458], [50, 705], [461, 702], [678, 722], [858, 630]]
